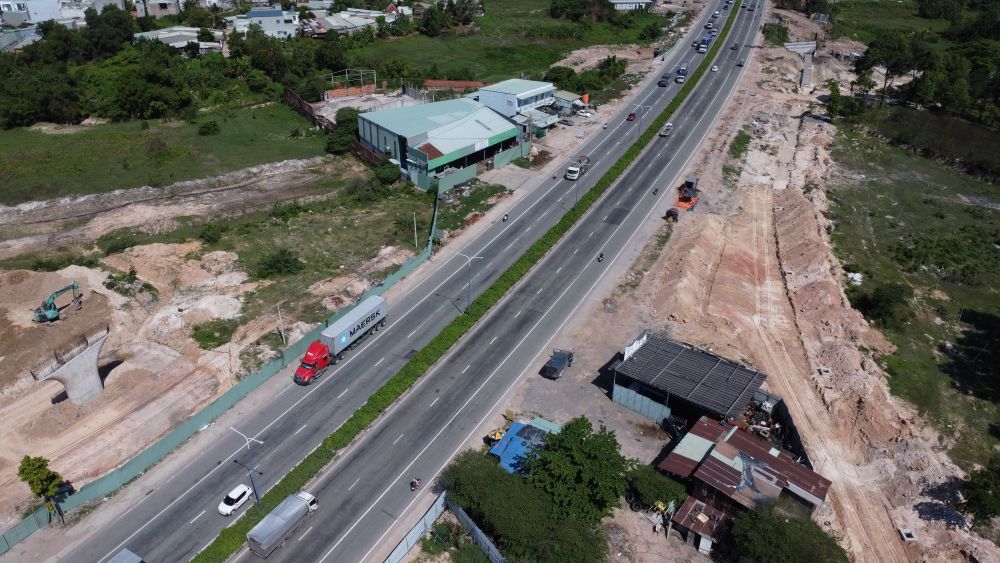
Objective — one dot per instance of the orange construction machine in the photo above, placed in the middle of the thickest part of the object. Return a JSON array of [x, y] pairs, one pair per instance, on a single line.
[[687, 194]]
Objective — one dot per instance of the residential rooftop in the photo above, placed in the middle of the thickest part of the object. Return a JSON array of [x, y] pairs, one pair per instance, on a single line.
[[518, 87]]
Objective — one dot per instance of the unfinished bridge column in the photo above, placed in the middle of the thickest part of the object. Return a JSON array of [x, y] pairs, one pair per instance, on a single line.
[[75, 366]]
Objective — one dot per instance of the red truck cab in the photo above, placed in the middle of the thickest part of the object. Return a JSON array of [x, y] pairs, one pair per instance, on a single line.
[[314, 362]]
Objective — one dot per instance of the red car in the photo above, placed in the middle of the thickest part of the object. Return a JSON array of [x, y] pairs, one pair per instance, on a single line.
[[631, 117]]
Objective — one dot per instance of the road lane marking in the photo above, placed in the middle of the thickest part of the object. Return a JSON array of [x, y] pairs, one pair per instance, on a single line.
[[197, 517], [516, 315], [369, 343], [560, 269], [380, 361], [306, 532], [396, 441], [344, 392], [515, 381], [575, 250], [354, 483], [466, 368], [303, 427], [591, 234], [435, 400], [494, 340], [539, 290]]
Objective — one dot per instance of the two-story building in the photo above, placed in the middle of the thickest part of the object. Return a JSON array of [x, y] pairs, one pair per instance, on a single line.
[[272, 21]]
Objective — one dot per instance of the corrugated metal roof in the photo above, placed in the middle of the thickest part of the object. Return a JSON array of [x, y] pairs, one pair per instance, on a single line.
[[697, 376], [517, 444], [751, 471], [568, 96], [264, 13], [693, 448], [517, 86], [702, 519], [415, 120], [475, 128]]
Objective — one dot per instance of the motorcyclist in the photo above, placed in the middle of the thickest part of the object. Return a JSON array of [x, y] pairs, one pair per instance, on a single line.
[[504, 217], [415, 484], [600, 257], [605, 125]]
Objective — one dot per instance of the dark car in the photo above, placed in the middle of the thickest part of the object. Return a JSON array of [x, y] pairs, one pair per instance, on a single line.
[[631, 117], [557, 364], [663, 82]]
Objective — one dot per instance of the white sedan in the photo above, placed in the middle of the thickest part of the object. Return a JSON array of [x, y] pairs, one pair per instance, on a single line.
[[584, 113], [715, 68], [235, 499]]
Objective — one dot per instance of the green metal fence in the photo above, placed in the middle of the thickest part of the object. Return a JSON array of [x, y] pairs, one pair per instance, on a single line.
[[136, 466]]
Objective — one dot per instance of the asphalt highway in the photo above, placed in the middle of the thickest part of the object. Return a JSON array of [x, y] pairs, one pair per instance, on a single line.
[[365, 491]]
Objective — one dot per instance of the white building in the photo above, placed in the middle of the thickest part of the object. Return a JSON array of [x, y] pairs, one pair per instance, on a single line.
[[272, 21], [67, 12], [631, 5], [157, 8], [510, 97]]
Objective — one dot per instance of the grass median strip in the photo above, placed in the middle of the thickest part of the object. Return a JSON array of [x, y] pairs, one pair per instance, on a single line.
[[234, 536]]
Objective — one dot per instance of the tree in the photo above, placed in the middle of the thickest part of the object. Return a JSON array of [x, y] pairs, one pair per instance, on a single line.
[[43, 482], [583, 471], [563, 77], [777, 534], [215, 16], [649, 486], [834, 102], [981, 492], [204, 35]]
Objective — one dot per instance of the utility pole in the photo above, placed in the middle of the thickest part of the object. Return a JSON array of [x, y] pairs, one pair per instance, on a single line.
[[416, 243], [250, 468], [281, 327], [468, 264]]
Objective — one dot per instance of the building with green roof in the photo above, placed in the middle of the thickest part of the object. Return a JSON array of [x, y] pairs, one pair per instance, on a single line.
[[442, 144]]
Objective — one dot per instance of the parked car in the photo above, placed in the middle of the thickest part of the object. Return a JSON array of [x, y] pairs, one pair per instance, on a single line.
[[631, 116], [715, 15], [557, 364], [663, 82], [715, 68], [572, 172], [569, 122], [584, 113], [708, 25], [235, 499], [714, 32]]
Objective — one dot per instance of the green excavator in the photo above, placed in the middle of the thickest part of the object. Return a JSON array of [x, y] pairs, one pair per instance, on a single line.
[[49, 311]]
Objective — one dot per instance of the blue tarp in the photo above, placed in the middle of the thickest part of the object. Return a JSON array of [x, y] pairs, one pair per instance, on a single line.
[[517, 444]]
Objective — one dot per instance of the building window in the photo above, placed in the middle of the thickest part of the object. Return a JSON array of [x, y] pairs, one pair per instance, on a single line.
[[22, 7]]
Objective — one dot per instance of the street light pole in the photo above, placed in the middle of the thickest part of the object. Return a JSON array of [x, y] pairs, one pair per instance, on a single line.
[[468, 264], [253, 482]]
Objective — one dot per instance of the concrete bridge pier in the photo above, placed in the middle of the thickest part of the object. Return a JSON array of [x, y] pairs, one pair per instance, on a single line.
[[75, 366]]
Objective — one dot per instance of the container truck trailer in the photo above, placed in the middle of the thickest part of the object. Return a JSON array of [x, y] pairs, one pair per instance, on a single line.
[[279, 524], [347, 332]]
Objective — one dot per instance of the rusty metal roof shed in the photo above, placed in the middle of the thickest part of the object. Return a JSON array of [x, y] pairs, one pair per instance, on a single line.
[[700, 377]]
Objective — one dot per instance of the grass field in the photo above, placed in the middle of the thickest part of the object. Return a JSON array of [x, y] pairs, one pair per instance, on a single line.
[[514, 36], [36, 165], [905, 219], [864, 20]]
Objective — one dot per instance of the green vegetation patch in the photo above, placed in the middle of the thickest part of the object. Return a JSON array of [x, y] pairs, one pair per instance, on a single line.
[[740, 144], [455, 211], [103, 158], [864, 20], [782, 533], [927, 242], [775, 34], [214, 333], [514, 36]]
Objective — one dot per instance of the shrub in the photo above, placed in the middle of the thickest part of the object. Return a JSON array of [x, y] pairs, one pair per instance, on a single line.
[[209, 128], [887, 304], [286, 211], [386, 174], [740, 144], [775, 34], [648, 486], [281, 261], [980, 492], [211, 233], [777, 535], [214, 333]]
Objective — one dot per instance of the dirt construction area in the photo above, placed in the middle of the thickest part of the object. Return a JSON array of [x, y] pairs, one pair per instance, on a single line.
[[750, 275]]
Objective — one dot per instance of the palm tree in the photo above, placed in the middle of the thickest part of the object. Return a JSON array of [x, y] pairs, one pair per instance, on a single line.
[[215, 11]]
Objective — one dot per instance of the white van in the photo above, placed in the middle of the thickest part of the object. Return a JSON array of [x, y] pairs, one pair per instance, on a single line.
[[573, 173]]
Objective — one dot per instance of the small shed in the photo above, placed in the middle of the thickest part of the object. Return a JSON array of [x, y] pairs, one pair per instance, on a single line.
[[521, 438], [567, 102], [703, 525]]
